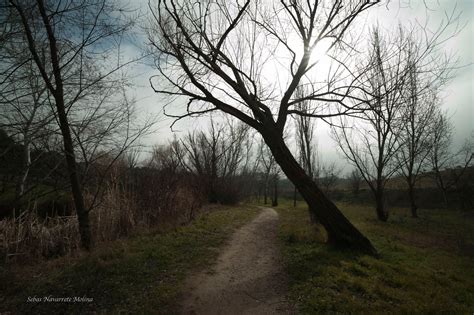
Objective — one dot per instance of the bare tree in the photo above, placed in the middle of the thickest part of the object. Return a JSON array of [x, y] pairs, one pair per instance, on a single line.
[[66, 40], [415, 134], [426, 73], [442, 158], [216, 55], [462, 175], [371, 143], [216, 157], [132, 157], [355, 180], [249, 174], [167, 157], [329, 176], [402, 73], [204, 157], [275, 179], [440, 155], [103, 131], [164, 190], [25, 115], [269, 169], [306, 144]]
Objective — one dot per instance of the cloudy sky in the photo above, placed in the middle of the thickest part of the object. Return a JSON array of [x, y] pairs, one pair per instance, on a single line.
[[457, 95]]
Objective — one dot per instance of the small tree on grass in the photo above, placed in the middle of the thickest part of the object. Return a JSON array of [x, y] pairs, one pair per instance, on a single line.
[[371, 143], [448, 166], [403, 74], [424, 77]]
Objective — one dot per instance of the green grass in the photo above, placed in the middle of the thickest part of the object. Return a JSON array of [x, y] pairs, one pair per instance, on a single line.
[[426, 265], [143, 274]]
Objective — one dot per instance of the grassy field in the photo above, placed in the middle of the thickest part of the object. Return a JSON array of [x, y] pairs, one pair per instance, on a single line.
[[426, 264], [143, 274]]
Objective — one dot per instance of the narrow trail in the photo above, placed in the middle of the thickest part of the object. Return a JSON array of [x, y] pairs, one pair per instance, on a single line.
[[248, 277]]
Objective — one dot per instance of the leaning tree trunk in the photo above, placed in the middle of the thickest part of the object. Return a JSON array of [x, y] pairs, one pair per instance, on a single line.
[[341, 233]]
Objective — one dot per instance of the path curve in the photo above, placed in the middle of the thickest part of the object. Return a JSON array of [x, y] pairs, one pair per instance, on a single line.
[[248, 278]]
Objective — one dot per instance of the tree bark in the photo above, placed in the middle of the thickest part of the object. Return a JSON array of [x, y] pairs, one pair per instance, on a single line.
[[26, 164], [294, 197], [341, 233], [82, 214], [441, 185], [445, 198], [275, 193], [265, 193], [58, 93], [382, 213], [413, 206]]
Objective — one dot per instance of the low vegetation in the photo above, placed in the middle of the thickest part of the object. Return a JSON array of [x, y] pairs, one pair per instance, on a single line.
[[426, 265], [141, 274]]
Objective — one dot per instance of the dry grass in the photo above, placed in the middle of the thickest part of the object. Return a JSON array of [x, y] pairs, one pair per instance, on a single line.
[[141, 274], [28, 237]]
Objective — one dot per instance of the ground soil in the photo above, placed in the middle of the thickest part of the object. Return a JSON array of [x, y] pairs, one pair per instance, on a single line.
[[248, 277]]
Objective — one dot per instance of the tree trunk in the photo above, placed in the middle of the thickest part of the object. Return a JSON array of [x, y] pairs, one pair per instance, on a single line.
[[445, 197], [382, 213], [441, 186], [294, 197], [413, 206], [265, 192], [341, 233], [58, 92], [312, 216], [275, 193], [212, 195], [26, 164], [82, 214]]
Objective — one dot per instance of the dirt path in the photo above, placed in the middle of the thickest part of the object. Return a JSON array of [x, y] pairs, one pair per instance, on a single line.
[[248, 277]]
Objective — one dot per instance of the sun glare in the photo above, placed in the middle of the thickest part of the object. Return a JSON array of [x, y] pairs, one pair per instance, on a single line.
[[319, 54]]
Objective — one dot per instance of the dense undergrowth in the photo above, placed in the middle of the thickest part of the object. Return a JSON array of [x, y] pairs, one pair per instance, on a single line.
[[142, 274], [426, 265]]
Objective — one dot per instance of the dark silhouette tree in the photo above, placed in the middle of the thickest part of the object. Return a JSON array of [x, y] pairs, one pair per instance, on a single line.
[[65, 41], [221, 55]]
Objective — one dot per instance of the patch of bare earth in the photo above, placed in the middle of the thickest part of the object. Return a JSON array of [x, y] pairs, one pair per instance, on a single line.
[[248, 278]]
